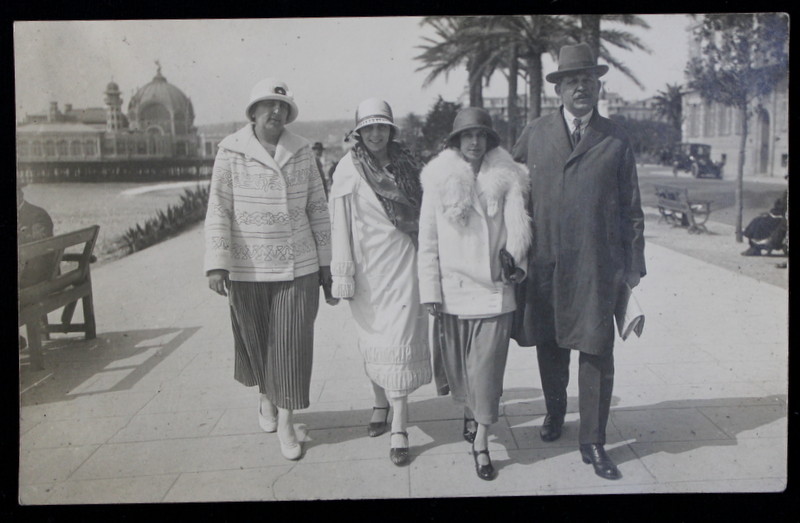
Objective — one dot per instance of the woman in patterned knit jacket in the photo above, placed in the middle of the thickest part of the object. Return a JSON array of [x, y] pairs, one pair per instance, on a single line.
[[267, 235]]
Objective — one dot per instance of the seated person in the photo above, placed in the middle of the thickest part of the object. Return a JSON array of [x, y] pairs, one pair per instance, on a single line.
[[767, 232], [33, 223]]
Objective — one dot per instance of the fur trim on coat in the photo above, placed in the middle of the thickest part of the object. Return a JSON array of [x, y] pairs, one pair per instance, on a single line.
[[505, 185]]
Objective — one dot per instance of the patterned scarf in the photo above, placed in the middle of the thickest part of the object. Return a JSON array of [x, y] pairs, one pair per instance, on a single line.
[[399, 190]]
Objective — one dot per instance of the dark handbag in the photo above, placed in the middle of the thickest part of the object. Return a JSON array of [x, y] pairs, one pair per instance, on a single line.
[[508, 265]]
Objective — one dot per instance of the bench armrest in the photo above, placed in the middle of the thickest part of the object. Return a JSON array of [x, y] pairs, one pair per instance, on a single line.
[[76, 256]]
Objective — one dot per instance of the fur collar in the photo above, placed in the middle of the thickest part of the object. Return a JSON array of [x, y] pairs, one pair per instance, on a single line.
[[450, 176]]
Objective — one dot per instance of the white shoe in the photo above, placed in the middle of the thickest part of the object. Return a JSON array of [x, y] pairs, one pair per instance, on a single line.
[[267, 424], [291, 451]]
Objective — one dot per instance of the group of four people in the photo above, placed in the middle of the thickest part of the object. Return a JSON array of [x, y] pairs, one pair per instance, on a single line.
[[534, 244]]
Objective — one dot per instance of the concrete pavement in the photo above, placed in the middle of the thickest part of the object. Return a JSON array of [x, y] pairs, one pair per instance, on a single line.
[[149, 411]]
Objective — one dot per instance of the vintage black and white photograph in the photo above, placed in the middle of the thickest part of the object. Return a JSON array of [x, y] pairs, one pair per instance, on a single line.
[[401, 257]]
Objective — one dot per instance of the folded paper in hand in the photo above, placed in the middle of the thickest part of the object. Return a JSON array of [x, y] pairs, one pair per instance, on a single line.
[[628, 314]]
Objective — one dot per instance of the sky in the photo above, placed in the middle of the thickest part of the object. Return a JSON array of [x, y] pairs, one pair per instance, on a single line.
[[329, 64]]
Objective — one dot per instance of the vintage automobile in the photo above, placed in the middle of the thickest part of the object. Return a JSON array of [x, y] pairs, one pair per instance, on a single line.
[[695, 158]]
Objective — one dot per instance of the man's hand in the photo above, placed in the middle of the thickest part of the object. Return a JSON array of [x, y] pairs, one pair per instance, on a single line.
[[632, 279], [218, 281]]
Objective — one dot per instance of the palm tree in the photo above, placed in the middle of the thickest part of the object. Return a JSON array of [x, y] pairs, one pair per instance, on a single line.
[[591, 33], [533, 36], [669, 105], [457, 42]]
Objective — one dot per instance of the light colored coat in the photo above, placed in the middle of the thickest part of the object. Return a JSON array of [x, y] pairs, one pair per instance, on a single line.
[[465, 221], [374, 267], [267, 218]]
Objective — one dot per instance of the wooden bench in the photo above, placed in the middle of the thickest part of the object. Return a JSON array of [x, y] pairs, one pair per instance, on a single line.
[[676, 208], [66, 280]]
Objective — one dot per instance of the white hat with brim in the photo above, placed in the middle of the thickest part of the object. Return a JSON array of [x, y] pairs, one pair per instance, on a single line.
[[374, 111], [271, 89]]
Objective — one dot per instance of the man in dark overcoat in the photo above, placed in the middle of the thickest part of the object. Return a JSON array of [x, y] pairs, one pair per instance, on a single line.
[[588, 242]]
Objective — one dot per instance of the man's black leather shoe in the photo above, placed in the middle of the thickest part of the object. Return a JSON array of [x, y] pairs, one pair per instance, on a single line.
[[603, 466], [551, 428]]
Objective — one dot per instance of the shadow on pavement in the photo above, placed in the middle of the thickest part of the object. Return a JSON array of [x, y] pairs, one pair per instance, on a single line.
[[622, 432], [112, 362]]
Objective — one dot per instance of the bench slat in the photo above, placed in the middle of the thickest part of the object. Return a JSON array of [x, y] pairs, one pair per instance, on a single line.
[[53, 302], [53, 244]]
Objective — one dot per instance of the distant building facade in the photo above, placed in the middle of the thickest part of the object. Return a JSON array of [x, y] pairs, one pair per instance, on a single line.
[[767, 146], [156, 134], [610, 104]]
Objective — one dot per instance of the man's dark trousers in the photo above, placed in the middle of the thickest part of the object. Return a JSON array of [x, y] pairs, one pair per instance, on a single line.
[[595, 384]]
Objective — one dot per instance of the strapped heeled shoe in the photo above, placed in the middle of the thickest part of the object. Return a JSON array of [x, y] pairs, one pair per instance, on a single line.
[[469, 435], [485, 472], [399, 455], [376, 428]]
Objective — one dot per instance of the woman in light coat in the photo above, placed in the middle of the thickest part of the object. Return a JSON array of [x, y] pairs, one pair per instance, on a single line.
[[375, 200], [267, 235], [474, 236]]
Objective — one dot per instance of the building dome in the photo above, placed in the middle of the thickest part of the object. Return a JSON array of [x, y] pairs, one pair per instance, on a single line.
[[112, 86], [161, 108]]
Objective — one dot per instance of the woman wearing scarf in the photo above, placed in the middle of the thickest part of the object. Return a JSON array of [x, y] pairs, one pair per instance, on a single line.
[[473, 241], [375, 200]]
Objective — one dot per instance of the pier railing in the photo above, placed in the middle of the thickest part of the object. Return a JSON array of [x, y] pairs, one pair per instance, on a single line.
[[115, 170]]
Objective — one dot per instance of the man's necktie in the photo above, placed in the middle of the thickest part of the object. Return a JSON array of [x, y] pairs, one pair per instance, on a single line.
[[576, 134]]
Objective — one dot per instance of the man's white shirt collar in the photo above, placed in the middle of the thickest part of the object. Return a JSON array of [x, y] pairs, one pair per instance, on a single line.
[[569, 117]]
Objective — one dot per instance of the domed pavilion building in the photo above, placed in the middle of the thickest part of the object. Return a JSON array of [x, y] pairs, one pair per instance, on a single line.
[[157, 138]]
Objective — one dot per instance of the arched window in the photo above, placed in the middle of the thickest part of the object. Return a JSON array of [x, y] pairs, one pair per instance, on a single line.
[[37, 149], [49, 148], [62, 148], [23, 149], [75, 148], [89, 148]]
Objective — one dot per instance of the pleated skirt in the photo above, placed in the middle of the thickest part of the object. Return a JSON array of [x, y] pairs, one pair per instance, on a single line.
[[273, 335], [474, 353]]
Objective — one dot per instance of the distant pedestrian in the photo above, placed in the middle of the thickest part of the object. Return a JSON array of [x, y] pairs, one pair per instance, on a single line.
[[588, 242], [268, 249], [474, 237], [319, 158], [375, 203]]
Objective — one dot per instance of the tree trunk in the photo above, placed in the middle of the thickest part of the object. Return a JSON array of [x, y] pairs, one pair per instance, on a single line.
[[475, 85], [513, 118], [740, 174], [590, 29], [534, 65]]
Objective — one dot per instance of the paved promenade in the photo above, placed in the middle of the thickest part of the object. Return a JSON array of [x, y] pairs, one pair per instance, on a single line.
[[149, 411]]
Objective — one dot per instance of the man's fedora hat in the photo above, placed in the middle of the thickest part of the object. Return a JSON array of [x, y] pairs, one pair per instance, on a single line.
[[575, 59]]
